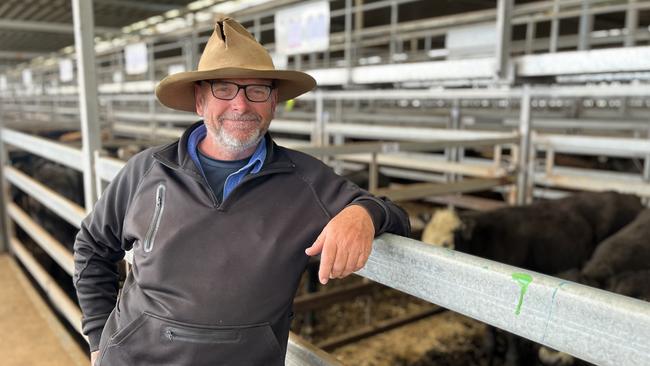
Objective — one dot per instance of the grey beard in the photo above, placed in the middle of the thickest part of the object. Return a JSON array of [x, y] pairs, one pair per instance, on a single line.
[[233, 144]]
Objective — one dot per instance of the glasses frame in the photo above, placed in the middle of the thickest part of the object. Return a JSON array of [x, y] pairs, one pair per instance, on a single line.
[[240, 87]]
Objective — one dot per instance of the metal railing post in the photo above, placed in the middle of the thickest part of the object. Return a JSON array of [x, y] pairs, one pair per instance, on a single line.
[[585, 27], [88, 106], [631, 23], [524, 174], [502, 57], [5, 197]]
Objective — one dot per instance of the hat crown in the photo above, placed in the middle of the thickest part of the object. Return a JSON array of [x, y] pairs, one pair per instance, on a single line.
[[231, 45]]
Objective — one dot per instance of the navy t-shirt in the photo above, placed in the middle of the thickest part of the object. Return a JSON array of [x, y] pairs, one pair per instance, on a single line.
[[216, 171]]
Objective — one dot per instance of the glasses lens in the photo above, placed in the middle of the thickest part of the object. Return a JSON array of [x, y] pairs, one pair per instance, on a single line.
[[258, 93], [224, 90]]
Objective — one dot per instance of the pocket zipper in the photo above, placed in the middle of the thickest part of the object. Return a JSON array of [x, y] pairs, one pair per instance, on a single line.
[[172, 334], [155, 221]]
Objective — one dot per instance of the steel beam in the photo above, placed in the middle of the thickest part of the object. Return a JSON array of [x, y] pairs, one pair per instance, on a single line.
[[555, 26], [523, 169], [631, 23], [300, 352], [139, 5], [423, 190], [5, 197], [20, 55], [55, 249], [44, 148], [591, 324], [55, 294], [29, 26], [504, 31], [585, 26], [66, 209], [88, 104]]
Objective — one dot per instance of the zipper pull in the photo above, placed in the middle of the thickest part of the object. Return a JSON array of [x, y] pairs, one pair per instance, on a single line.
[[169, 334]]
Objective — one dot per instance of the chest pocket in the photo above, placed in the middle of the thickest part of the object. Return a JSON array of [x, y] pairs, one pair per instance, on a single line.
[[150, 237]]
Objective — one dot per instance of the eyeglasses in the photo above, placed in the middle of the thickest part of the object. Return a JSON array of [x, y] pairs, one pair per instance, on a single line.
[[226, 90]]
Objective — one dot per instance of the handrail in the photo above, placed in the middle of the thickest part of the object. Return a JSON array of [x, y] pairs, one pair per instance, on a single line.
[[44, 148], [591, 324]]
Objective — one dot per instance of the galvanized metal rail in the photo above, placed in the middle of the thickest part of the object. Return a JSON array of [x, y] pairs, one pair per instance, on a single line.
[[591, 324]]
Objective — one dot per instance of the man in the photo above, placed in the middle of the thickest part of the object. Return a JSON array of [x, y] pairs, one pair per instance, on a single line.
[[221, 224]]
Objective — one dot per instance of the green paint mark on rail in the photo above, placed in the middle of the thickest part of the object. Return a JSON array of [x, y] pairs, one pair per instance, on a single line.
[[523, 280]]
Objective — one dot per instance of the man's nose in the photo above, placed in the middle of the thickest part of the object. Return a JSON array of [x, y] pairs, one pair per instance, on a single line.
[[240, 101]]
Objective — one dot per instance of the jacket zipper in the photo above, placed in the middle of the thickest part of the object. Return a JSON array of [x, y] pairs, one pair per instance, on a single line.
[[172, 334], [155, 221]]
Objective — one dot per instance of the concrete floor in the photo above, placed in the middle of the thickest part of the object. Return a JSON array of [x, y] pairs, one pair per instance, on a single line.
[[32, 335]]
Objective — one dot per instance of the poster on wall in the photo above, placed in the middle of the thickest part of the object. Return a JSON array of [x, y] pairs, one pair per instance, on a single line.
[[136, 58], [66, 70], [303, 28]]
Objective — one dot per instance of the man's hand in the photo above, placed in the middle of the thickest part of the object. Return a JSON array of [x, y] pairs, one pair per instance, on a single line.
[[345, 243], [93, 357]]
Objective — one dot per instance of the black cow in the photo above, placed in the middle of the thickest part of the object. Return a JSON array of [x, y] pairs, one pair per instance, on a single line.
[[547, 236]]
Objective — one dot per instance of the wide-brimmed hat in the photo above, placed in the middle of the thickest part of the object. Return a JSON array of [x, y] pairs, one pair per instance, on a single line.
[[231, 52]]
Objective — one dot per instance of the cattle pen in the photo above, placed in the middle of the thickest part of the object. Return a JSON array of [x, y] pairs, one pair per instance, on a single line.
[[552, 99]]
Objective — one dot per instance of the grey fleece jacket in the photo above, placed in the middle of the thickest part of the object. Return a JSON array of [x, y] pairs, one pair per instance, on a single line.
[[210, 283]]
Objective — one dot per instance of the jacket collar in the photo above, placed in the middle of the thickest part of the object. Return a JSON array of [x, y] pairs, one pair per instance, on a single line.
[[175, 155]]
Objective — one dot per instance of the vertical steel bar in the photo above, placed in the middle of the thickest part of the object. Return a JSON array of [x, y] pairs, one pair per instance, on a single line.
[[318, 133], [151, 74], [631, 23], [555, 27], [524, 147], [88, 106], [348, 39], [358, 27], [504, 12], [257, 30], [393, 31], [586, 20], [373, 174], [453, 153], [530, 36], [5, 198]]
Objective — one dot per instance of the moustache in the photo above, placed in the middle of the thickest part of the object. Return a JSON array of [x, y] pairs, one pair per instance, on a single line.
[[247, 117]]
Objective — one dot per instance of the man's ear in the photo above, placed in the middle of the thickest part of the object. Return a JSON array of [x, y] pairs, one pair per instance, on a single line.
[[274, 100], [198, 99]]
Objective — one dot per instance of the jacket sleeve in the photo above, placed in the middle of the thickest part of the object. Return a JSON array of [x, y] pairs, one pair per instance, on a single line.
[[98, 248], [335, 193]]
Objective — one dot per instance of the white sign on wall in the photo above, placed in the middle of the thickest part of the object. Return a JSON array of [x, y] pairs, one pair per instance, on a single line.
[[303, 28], [27, 77], [3, 83], [66, 70], [137, 59]]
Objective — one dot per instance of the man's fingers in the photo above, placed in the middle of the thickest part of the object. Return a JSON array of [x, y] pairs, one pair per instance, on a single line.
[[326, 262], [340, 263], [317, 247], [361, 261]]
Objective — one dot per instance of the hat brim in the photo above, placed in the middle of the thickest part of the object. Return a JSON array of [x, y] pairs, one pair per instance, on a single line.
[[176, 91]]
